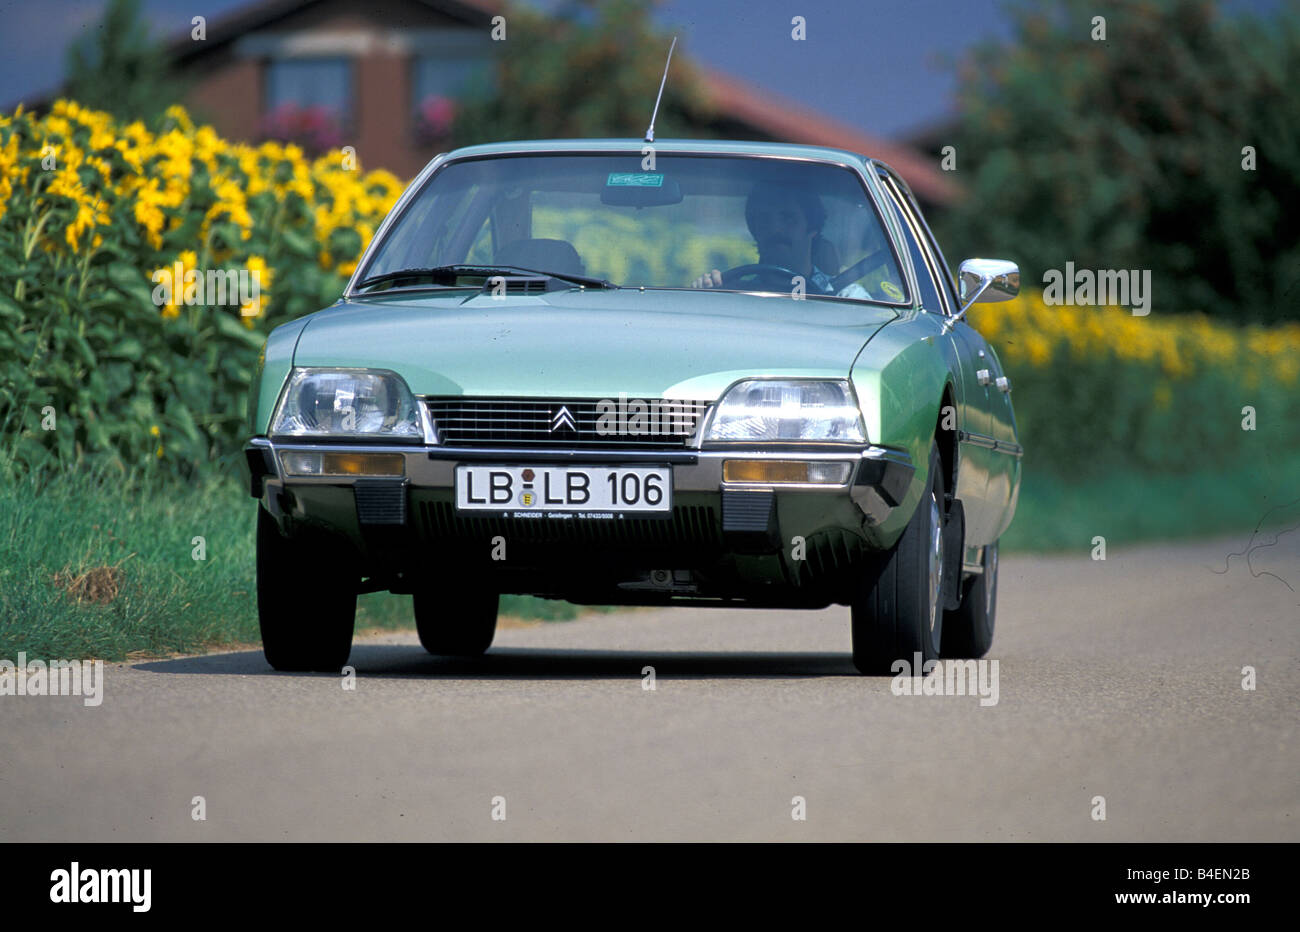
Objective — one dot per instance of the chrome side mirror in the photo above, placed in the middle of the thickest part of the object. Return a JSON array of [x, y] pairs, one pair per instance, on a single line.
[[986, 280]]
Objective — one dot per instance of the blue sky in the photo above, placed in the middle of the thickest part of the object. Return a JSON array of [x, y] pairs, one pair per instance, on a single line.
[[875, 64]]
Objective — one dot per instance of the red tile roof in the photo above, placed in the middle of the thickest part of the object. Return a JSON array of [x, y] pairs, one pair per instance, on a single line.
[[789, 121]]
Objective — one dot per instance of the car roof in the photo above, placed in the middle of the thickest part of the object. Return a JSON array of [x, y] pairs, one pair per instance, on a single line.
[[666, 146]]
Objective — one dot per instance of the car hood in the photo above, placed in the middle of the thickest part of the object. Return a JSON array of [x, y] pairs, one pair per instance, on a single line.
[[595, 344]]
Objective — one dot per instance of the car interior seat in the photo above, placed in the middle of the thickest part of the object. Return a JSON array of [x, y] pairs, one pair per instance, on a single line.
[[825, 256], [543, 255]]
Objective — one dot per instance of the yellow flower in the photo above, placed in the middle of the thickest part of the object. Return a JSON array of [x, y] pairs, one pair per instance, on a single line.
[[176, 150], [262, 276], [1039, 349], [166, 276], [153, 431], [177, 114], [150, 199], [231, 202], [8, 159]]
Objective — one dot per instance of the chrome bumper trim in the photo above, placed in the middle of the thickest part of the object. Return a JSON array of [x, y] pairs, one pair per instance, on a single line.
[[433, 467]]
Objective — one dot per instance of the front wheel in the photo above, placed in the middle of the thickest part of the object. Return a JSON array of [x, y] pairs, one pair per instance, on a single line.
[[306, 602], [897, 613]]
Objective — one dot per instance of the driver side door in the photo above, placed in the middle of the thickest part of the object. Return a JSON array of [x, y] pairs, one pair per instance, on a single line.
[[968, 357]]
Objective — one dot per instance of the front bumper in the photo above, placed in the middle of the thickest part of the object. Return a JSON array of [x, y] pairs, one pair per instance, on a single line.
[[759, 531]]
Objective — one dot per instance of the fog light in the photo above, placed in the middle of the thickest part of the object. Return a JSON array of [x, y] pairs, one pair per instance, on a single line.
[[829, 473], [301, 463], [800, 472]]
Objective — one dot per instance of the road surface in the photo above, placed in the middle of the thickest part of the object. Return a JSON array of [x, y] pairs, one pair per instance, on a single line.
[[1120, 679]]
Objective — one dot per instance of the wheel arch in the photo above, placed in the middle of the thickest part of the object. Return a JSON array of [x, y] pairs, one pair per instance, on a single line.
[[903, 387], [946, 437]]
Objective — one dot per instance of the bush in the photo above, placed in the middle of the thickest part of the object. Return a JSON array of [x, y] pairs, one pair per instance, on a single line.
[[1098, 390], [1168, 147], [93, 218]]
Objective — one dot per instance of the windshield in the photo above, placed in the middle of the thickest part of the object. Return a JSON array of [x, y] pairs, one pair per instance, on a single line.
[[731, 223]]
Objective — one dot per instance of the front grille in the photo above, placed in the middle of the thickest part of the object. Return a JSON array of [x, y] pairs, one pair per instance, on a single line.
[[690, 528], [541, 423]]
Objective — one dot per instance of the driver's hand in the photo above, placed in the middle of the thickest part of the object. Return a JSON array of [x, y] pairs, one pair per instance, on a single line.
[[708, 280]]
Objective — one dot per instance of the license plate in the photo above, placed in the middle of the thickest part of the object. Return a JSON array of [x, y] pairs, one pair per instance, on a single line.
[[589, 490]]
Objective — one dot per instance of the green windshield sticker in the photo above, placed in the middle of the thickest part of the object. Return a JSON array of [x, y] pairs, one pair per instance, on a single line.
[[635, 180]]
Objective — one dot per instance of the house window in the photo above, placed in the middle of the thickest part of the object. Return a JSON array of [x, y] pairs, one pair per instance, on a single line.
[[309, 101], [437, 82]]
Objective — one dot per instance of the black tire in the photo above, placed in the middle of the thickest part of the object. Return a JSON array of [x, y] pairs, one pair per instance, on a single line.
[[897, 613], [306, 602], [968, 632], [457, 620]]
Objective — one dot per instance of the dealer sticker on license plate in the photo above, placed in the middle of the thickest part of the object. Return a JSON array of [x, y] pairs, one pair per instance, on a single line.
[[582, 490]]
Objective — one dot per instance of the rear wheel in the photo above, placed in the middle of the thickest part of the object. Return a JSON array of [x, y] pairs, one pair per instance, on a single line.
[[897, 613], [456, 622], [968, 632], [306, 602]]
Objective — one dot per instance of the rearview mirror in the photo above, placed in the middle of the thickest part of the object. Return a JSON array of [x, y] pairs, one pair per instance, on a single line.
[[986, 280], [983, 281]]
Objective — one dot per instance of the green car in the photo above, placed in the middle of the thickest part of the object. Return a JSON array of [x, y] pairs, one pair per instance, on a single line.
[[708, 373]]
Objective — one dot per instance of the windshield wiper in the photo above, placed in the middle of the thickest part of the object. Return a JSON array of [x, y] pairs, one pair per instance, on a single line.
[[447, 275]]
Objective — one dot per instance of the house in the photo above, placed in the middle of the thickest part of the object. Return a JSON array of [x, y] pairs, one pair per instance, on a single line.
[[381, 76]]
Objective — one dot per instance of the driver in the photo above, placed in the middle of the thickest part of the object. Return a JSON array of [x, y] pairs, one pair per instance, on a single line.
[[786, 222]]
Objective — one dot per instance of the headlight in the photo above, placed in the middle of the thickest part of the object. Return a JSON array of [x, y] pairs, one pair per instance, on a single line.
[[789, 410], [369, 403]]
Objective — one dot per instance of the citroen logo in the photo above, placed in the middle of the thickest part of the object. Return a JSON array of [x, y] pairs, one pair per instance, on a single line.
[[563, 418]]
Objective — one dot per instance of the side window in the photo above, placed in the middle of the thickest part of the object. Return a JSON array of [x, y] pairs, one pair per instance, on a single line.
[[944, 273], [924, 279], [929, 277]]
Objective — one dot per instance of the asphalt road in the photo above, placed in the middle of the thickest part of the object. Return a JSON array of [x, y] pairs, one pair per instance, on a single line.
[[1120, 679]]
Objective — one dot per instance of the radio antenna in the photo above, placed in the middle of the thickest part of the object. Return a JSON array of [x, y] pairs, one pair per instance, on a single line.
[[650, 133]]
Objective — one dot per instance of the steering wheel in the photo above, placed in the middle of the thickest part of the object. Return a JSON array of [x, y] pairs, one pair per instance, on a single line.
[[768, 277]]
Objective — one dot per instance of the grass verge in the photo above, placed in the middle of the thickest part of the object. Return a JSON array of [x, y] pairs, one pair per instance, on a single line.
[[95, 565], [1058, 515]]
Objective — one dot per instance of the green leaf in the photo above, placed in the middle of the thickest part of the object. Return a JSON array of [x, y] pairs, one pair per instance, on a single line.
[[233, 329], [129, 348], [132, 283]]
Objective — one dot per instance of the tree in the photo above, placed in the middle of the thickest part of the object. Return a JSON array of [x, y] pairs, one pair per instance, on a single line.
[[591, 69], [120, 69], [1130, 152]]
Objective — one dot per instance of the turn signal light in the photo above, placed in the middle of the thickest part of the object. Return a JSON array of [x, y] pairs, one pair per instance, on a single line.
[[804, 472], [299, 463]]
